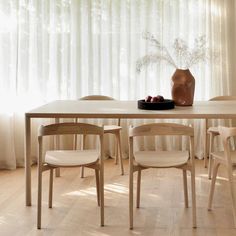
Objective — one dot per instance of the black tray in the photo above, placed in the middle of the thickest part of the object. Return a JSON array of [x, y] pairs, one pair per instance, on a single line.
[[165, 105]]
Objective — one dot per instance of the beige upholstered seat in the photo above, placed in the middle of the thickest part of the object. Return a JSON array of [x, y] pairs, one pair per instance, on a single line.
[[70, 158], [161, 159], [212, 132], [108, 129], [226, 158]]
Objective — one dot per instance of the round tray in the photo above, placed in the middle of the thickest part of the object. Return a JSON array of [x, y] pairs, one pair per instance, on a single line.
[[165, 105]]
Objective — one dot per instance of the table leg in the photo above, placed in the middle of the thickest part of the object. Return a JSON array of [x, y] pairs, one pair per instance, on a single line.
[[27, 160], [205, 143], [57, 147]]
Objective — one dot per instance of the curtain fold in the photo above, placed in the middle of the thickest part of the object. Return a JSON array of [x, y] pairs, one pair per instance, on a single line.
[[66, 49]]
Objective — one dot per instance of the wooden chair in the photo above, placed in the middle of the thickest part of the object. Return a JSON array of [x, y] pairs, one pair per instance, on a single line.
[[141, 160], [212, 132], [70, 158], [228, 159], [108, 129]]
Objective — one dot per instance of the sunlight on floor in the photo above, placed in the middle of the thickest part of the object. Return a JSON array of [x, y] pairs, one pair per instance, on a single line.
[[84, 192], [116, 187], [2, 220]]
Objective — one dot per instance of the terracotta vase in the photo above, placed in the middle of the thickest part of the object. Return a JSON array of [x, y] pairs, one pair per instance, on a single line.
[[183, 85]]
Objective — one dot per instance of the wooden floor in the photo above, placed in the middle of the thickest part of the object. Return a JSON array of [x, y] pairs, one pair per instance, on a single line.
[[75, 210]]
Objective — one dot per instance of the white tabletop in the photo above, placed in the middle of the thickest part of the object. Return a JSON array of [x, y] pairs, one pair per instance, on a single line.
[[129, 109]]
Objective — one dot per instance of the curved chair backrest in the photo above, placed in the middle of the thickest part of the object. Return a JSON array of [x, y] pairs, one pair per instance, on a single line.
[[96, 97], [161, 129], [70, 128], [227, 132], [223, 98]]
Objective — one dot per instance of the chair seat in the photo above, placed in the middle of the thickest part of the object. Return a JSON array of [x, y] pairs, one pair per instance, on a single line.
[[161, 158], [213, 130], [71, 157], [221, 155], [111, 128]]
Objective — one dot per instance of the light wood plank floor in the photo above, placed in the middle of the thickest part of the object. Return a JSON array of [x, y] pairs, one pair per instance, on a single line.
[[75, 210]]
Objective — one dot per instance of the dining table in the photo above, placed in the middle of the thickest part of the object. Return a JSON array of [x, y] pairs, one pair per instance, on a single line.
[[117, 109]]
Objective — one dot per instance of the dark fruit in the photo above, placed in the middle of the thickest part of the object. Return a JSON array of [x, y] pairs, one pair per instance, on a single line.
[[148, 99], [157, 98], [154, 99], [160, 98]]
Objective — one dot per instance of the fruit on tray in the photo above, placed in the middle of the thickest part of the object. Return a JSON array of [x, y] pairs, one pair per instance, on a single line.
[[157, 98], [148, 98], [160, 98]]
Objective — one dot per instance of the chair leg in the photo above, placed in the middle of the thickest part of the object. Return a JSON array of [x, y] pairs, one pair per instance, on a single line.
[[57, 146], [83, 147], [39, 208], [58, 172], [131, 198], [185, 184], [211, 143], [97, 186], [193, 198], [50, 188], [119, 152], [75, 136], [138, 188], [232, 192], [213, 181], [116, 149], [82, 172], [205, 143], [75, 142], [101, 189]]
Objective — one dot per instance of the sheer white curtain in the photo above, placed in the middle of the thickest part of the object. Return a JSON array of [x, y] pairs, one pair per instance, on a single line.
[[65, 49]]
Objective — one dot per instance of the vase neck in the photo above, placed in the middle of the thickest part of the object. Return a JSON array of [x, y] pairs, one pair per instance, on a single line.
[[184, 70]]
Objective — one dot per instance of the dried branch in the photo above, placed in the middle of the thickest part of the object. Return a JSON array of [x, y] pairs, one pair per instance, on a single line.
[[184, 56]]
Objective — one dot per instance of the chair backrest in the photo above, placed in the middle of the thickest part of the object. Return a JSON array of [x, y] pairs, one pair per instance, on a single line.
[[96, 97], [161, 129], [226, 133], [223, 98], [220, 98], [70, 128]]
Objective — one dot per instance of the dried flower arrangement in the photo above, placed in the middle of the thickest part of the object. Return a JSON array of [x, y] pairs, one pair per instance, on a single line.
[[183, 57]]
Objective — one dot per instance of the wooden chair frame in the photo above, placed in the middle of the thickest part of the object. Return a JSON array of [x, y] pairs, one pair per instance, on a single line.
[[72, 129], [210, 135], [153, 130], [225, 158]]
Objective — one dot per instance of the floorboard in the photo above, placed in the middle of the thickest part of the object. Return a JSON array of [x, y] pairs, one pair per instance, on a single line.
[[75, 211]]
